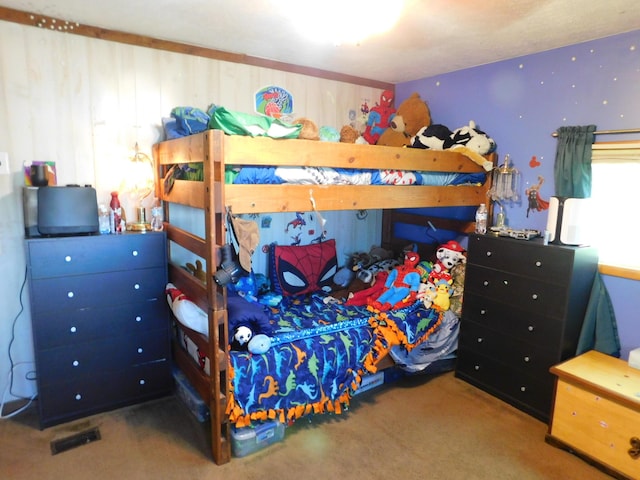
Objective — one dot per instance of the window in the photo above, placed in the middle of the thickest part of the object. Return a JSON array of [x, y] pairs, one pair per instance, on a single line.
[[616, 201]]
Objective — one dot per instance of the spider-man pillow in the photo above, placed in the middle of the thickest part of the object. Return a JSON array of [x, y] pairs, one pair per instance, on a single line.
[[296, 270]]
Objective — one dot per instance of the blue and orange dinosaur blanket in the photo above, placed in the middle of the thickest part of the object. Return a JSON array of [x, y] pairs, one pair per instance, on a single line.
[[319, 353]]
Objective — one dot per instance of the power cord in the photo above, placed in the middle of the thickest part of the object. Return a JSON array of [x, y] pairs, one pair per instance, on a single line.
[[29, 376]]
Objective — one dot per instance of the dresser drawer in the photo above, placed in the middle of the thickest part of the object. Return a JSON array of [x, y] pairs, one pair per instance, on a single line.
[[98, 290], [532, 394], [521, 356], [101, 356], [50, 329], [77, 398], [56, 257], [513, 321], [533, 296], [549, 263]]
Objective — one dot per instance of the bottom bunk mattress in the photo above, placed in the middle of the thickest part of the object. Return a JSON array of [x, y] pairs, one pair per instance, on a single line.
[[319, 351]]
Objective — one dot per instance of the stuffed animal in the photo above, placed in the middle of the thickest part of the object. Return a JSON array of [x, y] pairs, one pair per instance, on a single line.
[[379, 118], [309, 130], [474, 143], [426, 294], [402, 285], [433, 137], [187, 312], [348, 134], [411, 116], [197, 271], [448, 255], [441, 300], [240, 339], [328, 134]]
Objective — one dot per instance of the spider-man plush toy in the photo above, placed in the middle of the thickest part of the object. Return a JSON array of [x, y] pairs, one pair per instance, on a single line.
[[401, 286], [379, 118]]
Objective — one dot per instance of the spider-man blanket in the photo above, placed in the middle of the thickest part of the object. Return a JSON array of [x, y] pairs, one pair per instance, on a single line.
[[317, 357]]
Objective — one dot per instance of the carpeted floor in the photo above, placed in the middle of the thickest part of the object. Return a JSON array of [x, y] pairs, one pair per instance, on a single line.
[[418, 428]]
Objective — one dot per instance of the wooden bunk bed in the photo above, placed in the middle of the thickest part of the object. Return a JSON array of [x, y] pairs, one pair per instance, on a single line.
[[215, 151]]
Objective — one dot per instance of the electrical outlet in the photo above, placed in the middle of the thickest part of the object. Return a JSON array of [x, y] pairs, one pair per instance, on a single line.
[[4, 164]]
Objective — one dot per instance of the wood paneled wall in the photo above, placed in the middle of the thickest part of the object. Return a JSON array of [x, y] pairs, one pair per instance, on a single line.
[[84, 102]]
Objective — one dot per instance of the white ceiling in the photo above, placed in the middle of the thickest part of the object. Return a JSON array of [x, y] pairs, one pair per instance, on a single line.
[[431, 37]]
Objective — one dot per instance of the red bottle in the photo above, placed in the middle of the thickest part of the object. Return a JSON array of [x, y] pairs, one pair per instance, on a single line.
[[116, 213]]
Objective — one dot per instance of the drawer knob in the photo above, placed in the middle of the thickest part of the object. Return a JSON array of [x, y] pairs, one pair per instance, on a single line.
[[479, 339], [137, 286], [530, 328], [634, 451], [485, 283], [526, 359], [134, 253], [506, 282], [75, 363], [489, 254], [78, 396], [523, 388], [476, 367], [138, 318], [142, 382], [70, 294], [67, 258], [140, 350], [483, 312], [73, 329], [534, 296], [538, 263]]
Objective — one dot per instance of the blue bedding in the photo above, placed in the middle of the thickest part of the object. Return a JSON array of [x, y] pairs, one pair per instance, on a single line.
[[319, 353], [341, 176]]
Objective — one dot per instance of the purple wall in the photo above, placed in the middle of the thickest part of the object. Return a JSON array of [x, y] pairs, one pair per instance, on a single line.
[[520, 102]]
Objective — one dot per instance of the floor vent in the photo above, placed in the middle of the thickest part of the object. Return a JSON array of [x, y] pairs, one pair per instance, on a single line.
[[73, 441]]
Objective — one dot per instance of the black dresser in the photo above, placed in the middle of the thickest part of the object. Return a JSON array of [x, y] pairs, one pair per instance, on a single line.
[[100, 322], [524, 304]]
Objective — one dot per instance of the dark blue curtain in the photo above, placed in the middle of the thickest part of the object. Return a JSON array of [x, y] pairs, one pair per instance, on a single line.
[[572, 171], [572, 174]]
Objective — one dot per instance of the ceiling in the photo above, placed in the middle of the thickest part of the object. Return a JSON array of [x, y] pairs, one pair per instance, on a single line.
[[430, 38]]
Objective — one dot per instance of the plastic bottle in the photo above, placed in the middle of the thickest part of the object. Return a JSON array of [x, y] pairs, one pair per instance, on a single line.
[[156, 217], [116, 213], [104, 219], [481, 219]]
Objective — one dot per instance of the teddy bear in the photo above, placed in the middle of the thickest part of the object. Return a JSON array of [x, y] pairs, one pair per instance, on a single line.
[[379, 118], [309, 130], [411, 115], [348, 134]]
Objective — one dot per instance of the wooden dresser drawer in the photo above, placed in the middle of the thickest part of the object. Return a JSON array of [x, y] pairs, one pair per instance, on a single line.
[[530, 359], [78, 398], [56, 257], [530, 393], [98, 290], [51, 329], [107, 355], [596, 412], [513, 321], [534, 296], [530, 258]]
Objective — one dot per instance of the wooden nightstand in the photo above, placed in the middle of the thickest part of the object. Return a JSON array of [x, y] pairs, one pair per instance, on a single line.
[[596, 413]]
